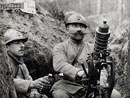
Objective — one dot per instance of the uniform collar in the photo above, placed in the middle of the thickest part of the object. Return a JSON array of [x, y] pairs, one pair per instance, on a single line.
[[15, 59]]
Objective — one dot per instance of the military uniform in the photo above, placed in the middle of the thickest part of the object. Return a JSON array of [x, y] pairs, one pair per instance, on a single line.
[[63, 56], [24, 85], [22, 79]]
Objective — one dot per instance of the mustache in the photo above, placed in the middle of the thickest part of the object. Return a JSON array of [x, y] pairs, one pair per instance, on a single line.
[[80, 32]]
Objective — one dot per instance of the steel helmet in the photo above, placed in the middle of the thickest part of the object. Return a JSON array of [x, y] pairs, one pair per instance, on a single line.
[[76, 18], [69, 13], [12, 35]]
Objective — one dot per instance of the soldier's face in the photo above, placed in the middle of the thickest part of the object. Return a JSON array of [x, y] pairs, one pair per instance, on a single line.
[[16, 48], [76, 31]]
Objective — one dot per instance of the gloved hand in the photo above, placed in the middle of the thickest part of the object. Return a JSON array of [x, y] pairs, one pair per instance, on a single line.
[[81, 77], [40, 83], [80, 73]]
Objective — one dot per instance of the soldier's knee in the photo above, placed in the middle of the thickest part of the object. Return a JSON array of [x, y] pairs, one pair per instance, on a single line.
[[60, 94], [115, 94]]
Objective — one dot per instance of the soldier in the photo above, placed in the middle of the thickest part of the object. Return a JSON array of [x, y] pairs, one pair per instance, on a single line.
[[64, 55], [24, 85]]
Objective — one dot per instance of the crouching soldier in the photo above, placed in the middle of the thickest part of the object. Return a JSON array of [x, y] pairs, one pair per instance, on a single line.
[[66, 56], [24, 85]]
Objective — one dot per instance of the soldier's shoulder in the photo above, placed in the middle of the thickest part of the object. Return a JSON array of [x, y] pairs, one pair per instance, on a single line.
[[62, 43]]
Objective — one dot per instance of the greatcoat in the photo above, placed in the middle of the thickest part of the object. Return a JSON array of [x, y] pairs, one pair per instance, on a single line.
[[22, 79], [63, 55]]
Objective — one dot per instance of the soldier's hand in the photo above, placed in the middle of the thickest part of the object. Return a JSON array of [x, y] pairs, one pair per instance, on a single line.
[[82, 74], [81, 77], [46, 85], [39, 83]]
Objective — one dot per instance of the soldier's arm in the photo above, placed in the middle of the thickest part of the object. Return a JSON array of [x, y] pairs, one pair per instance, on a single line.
[[60, 63], [22, 85]]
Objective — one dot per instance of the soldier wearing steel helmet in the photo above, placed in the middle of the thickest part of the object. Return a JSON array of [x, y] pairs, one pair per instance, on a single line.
[[24, 85], [64, 55]]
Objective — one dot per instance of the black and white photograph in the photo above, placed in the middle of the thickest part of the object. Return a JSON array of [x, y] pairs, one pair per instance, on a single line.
[[64, 49]]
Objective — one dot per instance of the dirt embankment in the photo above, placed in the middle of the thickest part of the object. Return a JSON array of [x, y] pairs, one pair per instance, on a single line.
[[43, 33]]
